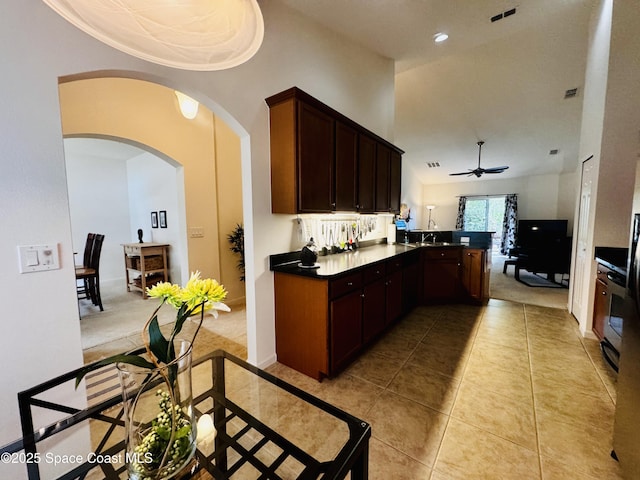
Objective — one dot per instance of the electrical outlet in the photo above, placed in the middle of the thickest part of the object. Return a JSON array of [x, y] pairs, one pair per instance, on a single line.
[[38, 258]]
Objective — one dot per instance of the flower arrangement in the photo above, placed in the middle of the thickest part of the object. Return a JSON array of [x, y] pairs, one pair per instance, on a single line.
[[165, 443]]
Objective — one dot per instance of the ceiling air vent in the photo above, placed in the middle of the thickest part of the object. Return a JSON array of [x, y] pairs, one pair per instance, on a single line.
[[553, 152], [433, 164], [572, 92], [502, 15]]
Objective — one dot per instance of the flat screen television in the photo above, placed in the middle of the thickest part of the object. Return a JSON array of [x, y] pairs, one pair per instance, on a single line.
[[540, 232]]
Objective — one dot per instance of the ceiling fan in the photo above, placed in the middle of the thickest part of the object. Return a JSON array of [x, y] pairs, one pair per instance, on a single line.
[[479, 171]]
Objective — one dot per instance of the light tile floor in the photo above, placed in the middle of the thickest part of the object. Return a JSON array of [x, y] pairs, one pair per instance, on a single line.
[[503, 391]]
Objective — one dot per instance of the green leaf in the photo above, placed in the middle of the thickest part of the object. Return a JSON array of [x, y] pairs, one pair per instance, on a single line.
[[136, 360], [159, 345], [182, 316]]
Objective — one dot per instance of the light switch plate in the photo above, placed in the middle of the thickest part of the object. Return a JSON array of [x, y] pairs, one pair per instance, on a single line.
[[38, 258]]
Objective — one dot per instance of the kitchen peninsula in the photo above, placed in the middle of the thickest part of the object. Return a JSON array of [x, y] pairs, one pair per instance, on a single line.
[[326, 315]]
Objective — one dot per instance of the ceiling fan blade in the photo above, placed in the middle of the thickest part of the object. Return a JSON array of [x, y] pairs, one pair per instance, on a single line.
[[495, 169], [479, 171]]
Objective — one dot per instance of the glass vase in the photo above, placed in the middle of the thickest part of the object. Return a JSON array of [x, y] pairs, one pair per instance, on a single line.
[[159, 417]]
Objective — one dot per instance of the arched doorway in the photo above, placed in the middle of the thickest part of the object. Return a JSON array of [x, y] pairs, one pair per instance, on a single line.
[[205, 152]]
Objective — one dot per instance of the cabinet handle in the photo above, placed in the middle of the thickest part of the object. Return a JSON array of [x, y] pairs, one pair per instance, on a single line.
[[349, 284], [362, 295], [377, 272], [604, 293], [468, 254], [442, 254]]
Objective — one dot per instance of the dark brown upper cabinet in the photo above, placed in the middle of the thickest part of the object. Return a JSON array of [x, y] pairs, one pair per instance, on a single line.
[[366, 174], [321, 161], [346, 168]]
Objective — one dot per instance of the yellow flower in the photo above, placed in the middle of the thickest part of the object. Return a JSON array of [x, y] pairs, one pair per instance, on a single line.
[[196, 294], [198, 291], [167, 291]]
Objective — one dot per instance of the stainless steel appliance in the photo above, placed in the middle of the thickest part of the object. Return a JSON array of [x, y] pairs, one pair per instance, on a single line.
[[611, 344], [626, 438]]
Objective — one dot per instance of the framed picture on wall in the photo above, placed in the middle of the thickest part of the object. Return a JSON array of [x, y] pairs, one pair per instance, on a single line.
[[163, 219], [154, 219]]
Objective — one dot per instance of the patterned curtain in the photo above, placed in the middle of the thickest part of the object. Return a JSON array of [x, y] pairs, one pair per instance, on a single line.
[[509, 223], [462, 204]]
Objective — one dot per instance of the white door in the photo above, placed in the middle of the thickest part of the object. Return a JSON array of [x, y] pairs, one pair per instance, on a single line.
[[581, 239]]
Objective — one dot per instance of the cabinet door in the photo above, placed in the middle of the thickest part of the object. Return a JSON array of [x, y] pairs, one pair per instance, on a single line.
[[346, 329], [394, 296], [473, 274], [373, 309], [346, 167], [600, 308], [410, 286], [441, 274], [395, 181], [315, 160], [383, 160], [366, 173]]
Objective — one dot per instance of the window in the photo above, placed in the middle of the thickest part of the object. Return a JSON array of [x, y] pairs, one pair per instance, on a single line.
[[485, 214]]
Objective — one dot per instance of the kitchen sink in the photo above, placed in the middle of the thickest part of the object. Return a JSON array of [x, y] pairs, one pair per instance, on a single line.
[[429, 244]]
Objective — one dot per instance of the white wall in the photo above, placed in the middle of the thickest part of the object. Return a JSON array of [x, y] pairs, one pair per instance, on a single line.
[[40, 318], [153, 186], [99, 203], [539, 197]]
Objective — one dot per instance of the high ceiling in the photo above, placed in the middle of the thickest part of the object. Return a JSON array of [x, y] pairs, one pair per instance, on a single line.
[[503, 82]]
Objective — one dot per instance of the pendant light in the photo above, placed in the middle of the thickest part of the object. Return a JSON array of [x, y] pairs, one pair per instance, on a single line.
[[199, 35]]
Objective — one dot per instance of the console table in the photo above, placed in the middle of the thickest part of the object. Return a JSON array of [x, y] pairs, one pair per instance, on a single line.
[[145, 265], [266, 428]]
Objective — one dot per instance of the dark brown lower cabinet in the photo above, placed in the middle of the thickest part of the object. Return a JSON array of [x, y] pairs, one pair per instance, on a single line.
[[373, 311], [393, 295], [475, 280], [323, 323], [345, 329], [601, 301], [441, 274]]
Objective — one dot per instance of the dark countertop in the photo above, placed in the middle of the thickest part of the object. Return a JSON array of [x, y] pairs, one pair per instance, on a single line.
[[337, 264], [614, 258]]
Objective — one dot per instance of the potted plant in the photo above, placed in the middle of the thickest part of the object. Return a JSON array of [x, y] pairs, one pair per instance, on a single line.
[[236, 238]]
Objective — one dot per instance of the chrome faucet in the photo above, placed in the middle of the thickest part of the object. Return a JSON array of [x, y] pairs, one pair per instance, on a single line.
[[425, 237]]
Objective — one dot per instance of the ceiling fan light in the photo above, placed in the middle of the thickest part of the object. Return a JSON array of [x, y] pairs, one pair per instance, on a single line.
[[199, 35]]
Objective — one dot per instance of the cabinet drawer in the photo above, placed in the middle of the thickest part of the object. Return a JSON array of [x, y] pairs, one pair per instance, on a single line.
[[446, 253], [132, 250], [345, 284], [374, 272]]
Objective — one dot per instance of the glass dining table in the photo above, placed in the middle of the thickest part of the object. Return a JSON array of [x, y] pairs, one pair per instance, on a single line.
[[251, 424]]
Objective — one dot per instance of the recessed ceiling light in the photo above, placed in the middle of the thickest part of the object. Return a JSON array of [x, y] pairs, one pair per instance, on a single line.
[[440, 37]]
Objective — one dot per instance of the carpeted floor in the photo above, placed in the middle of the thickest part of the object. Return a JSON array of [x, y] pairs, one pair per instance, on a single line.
[[125, 314], [506, 287]]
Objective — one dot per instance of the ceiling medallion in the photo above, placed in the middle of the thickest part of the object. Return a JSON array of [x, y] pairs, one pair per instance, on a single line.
[[199, 35]]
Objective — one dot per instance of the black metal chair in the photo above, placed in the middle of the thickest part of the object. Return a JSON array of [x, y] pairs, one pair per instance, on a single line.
[[89, 274]]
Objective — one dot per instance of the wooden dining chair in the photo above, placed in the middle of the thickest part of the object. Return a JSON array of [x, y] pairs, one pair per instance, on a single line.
[[88, 246], [90, 275]]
